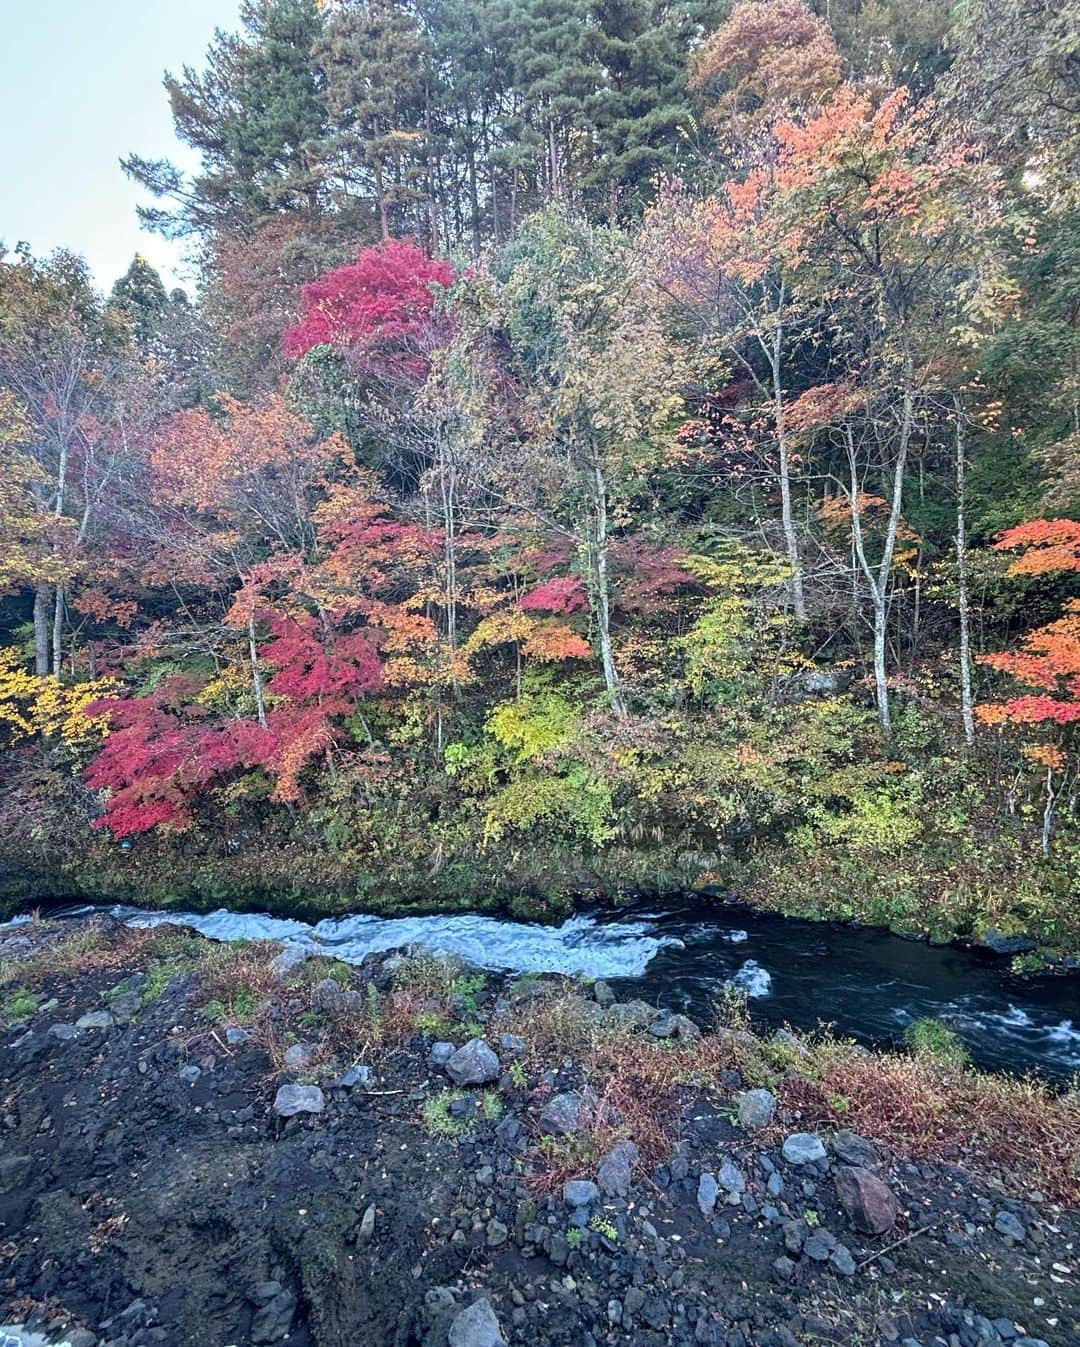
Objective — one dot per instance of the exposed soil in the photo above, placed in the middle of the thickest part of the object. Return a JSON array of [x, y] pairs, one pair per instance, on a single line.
[[144, 1201]]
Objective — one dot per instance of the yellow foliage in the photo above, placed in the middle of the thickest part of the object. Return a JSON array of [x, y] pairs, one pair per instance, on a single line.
[[33, 704]]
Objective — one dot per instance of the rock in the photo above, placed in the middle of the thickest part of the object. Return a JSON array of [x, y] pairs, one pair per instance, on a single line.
[[95, 1019], [63, 1033], [510, 1043], [367, 1223], [273, 1320], [236, 1037], [732, 1180], [476, 1327], [803, 1148], [853, 1149], [707, 1192], [472, 1064], [842, 1261], [190, 1074], [784, 1268], [1005, 1223], [326, 997], [293, 1099], [299, 1056], [1000, 943], [580, 1193], [757, 1109], [819, 1246], [669, 1025], [602, 994], [287, 962], [495, 1233], [125, 1007], [614, 1172], [14, 1171], [869, 1204], [439, 1054], [561, 1115], [353, 1076]]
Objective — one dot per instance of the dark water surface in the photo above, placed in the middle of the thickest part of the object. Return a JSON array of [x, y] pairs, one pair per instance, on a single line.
[[866, 983]]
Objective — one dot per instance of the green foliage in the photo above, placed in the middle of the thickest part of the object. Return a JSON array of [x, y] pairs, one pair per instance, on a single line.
[[573, 1237], [928, 1037], [534, 725], [19, 1005]]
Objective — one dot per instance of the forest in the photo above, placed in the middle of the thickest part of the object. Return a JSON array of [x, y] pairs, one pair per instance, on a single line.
[[612, 446]]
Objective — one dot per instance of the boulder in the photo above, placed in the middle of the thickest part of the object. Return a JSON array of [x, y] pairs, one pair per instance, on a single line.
[[95, 1019], [803, 1148], [476, 1327], [628, 1015], [757, 1108], [299, 1056], [853, 1149], [293, 1099], [562, 1114], [707, 1192], [473, 1064], [670, 1025], [868, 1203], [439, 1054], [613, 1175], [602, 994], [580, 1193], [287, 962]]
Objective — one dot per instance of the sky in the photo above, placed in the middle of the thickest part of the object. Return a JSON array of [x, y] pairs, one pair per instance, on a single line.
[[80, 86]]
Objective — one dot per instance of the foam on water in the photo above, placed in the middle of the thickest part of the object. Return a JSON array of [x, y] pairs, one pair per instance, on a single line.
[[754, 980], [613, 949]]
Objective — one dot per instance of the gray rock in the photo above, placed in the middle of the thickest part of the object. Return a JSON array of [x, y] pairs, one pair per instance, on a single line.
[[495, 1233], [562, 1114], [510, 1043], [476, 1327], [367, 1223], [287, 962], [439, 1054], [353, 1076], [273, 1319], [707, 1192], [803, 1148], [95, 1019], [580, 1193], [14, 1171], [614, 1172], [784, 1268], [473, 1064], [125, 1007], [628, 1015], [293, 1099], [819, 1246], [298, 1056], [1005, 1223], [757, 1108], [326, 997], [190, 1074], [842, 1261], [602, 994], [853, 1149], [731, 1178], [235, 1037], [1006, 944], [670, 1025], [62, 1032]]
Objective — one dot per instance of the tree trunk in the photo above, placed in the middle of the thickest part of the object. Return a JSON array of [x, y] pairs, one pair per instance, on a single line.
[[41, 630], [603, 597], [966, 708], [791, 542], [256, 676], [58, 631]]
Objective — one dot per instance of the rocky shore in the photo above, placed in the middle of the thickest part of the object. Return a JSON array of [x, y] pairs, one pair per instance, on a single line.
[[205, 1144]]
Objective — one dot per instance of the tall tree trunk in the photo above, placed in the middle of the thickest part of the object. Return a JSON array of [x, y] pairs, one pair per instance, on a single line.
[[791, 542], [962, 602], [603, 596], [256, 675], [41, 630], [58, 631]]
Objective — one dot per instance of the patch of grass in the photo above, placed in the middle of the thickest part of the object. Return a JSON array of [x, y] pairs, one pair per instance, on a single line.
[[928, 1037], [434, 1023], [426, 973], [465, 991], [491, 1106], [518, 1078], [604, 1227], [19, 1006], [437, 1119]]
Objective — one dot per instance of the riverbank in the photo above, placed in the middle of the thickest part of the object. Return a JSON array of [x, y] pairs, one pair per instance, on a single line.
[[212, 1143]]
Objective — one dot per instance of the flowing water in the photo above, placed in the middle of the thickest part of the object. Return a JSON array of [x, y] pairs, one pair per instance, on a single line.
[[865, 983]]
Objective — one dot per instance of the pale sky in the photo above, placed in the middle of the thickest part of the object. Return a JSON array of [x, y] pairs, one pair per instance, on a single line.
[[80, 86]]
